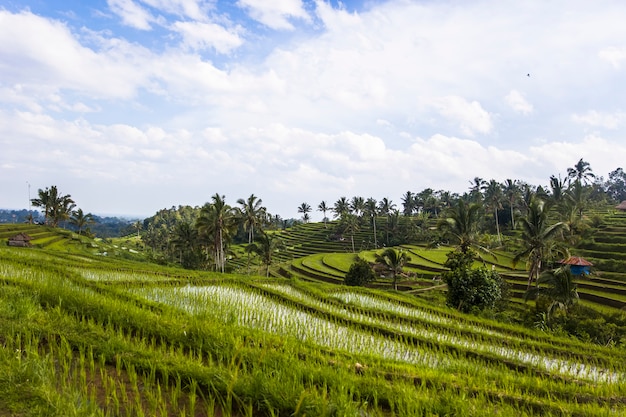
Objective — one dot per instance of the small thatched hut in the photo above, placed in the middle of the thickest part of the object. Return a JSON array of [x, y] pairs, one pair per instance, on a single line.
[[621, 206], [20, 239]]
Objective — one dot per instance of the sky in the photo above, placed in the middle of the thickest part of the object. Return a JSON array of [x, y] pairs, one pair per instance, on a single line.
[[131, 106]]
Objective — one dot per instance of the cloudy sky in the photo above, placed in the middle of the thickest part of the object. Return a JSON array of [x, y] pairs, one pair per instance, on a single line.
[[132, 106]]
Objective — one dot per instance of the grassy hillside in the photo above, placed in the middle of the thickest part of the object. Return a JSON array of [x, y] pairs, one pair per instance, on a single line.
[[86, 334]]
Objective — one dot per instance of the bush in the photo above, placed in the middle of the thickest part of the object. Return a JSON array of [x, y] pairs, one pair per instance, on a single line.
[[359, 274], [471, 289]]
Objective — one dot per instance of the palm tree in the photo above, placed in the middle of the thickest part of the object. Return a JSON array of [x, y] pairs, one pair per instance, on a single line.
[[558, 286], [357, 205], [323, 208], [581, 172], [56, 207], [461, 224], [476, 189], [252, 214], [341, 207], [80, 220], [305, 209], [350, 223], [371, 210], [537, 238], [408, 203], [385, 206], [266, 245], [511, 192], [185, 241], [216, 224], [493, 199], [392, 261]]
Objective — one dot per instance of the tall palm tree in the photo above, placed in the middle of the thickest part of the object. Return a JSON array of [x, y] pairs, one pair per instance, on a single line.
[[581, 172], [185, 241], [461, 224], [476, 188], [323, 207], [266, 245], [56, 207], [385, 207], [341, 207], [81, 220], [512, 193], [408, 203], [252, 214], [371, 210], [216, 224], [305, 209], [538, 238], [493, 199], [558, 286], [357, 205], [392, 262], [350, 225]]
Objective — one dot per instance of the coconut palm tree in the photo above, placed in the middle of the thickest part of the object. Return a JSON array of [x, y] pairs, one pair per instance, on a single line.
[[581, 172], [350, 225], [305, 209], [408, 203], [81, 220], [511, 192], [556, 285], [323, 207], [392, 262], [371, 210], [341, 207], [538, 238], [216, 224], [56, 207], [385, 207], [476, 188], [185, 242], [357, 205], [493, 199], [266, 245], [461, 225], [252, 214]]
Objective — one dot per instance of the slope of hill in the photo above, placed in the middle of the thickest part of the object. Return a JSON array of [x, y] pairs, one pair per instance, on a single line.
[[91, 335]]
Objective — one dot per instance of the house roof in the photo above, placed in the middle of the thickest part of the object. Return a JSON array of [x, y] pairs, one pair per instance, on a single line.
[[23, 237], [621, 206], [575, 260]]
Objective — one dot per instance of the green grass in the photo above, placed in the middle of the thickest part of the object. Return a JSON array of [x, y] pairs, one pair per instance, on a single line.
[[90, 335]]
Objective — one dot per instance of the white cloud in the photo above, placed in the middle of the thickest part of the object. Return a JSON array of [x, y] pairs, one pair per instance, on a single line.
[[193, 9], [200, 35], [469, 116], [131, 13], [275, 14], [598, 119], [518, 102], [613, 55]]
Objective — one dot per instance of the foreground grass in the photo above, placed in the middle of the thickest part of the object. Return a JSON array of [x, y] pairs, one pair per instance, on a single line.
[[88, 336]]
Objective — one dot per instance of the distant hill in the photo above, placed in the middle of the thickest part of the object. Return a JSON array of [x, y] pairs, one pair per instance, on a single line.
[[104, 227]]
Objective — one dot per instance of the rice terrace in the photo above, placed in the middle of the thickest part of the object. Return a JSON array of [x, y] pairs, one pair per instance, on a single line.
[[443, 307]]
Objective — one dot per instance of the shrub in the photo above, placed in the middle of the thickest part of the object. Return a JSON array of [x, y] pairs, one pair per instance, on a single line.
[[471, 289], [360, 273]]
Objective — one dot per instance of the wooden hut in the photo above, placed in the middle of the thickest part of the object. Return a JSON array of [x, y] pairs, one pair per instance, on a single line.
[[577, 265], [21, 240], [621, 206]]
